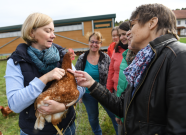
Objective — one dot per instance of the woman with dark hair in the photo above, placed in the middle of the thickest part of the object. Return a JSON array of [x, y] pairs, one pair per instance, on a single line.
[[154, 100], [112, 80], [114, 67]]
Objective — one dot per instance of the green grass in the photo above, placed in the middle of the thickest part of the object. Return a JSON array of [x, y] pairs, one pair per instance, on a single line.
[[183, 40], [9, 126]]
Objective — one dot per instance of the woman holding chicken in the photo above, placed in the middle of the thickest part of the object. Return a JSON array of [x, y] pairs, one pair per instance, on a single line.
[[30, 70]]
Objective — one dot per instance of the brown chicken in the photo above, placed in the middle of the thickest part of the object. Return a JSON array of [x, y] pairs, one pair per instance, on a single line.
[[1, 133], [63, 91], [5, 111]]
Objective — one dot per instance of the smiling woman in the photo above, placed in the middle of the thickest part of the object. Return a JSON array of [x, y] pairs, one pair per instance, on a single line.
[[31, 68], [96, 63]]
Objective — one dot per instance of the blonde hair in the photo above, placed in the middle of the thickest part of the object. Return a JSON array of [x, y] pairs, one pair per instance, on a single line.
[[97, 34], [34, 21]]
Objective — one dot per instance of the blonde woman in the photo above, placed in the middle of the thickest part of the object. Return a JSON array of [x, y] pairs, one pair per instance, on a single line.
[[30, 70]]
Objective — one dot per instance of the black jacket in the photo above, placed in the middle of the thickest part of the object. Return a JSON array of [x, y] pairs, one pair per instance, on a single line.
[[158, 105], [29, 70], [103, 65]]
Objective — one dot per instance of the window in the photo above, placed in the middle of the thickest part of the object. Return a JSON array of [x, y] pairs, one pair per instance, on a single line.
[[178, 22]]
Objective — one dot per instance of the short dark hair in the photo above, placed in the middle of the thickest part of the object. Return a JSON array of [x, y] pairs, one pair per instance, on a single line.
[[166, 18]]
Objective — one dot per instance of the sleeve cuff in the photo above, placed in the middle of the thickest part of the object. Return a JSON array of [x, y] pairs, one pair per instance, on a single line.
[[93, 86]]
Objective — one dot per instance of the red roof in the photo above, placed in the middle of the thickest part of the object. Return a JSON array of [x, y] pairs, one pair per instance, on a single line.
[[181, 27], [180, 14]]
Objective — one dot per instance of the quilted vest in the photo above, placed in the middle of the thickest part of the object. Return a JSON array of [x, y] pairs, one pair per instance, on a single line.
[[29, 70]]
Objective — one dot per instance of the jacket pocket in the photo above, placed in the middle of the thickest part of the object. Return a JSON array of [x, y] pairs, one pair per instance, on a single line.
[[151, 128]]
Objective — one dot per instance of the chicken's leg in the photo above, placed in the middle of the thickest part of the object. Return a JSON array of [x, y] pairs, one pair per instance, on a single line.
[[60, 133]]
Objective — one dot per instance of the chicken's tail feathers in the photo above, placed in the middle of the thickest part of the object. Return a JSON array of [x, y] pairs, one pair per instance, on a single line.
[[40, 122]]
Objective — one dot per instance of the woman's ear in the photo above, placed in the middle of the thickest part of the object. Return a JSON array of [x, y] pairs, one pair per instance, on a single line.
[[153, 23], [32, 33]]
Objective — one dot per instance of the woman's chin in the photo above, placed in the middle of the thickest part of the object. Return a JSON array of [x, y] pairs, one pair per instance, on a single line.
[[124, 42]]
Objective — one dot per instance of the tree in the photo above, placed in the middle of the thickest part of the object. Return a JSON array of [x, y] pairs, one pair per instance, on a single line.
[[118, 23], [126, 20]]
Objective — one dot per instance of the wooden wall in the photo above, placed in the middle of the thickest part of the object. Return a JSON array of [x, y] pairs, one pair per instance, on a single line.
[[75, 35], [11, 46]]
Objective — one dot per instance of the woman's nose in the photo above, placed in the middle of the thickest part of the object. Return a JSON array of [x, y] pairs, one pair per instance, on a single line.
[[128, 33], [53, 35]]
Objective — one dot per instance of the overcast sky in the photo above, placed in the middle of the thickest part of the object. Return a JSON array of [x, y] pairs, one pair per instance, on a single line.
[[14, 12]]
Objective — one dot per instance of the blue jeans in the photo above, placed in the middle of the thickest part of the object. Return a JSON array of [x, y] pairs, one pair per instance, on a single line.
[[69, 131], [91, 105]]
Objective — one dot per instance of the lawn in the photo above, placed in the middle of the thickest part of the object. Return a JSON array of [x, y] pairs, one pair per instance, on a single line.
[[9, 125], [183, 40]]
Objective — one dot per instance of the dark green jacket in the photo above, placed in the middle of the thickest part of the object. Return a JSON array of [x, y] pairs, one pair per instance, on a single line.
[[122, 82]]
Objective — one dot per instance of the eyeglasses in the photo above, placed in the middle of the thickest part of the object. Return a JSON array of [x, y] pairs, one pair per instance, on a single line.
[[130, 23], [96, 42]]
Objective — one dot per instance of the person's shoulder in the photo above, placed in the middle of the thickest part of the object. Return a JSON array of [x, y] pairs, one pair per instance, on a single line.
[[104, 56], [58, 46], [112, 44], [177, 47], [82, 55]]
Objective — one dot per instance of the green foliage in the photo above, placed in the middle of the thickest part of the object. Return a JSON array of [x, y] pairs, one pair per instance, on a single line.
[[9, 125], [181, 9], [183, 40], [118, 23]]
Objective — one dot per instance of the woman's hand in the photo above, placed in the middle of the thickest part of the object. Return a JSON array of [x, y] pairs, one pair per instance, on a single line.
[[83, 78], [55, 74], [118, 121], [51, 107], [80, 100]]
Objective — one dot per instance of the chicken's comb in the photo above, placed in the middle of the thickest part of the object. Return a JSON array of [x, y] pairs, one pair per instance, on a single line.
[[70, 50]]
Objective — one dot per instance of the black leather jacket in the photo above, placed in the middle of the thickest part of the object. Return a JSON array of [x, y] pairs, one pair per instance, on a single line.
[[158, 105]]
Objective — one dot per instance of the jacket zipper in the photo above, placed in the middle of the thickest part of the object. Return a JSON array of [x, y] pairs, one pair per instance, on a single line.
[[138, 89], [151, 90]]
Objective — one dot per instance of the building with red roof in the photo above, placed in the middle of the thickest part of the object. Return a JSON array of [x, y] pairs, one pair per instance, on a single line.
[[180, 21]]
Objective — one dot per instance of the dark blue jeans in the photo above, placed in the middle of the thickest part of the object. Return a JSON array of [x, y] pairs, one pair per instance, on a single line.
[[69, 131], [91, 105]]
